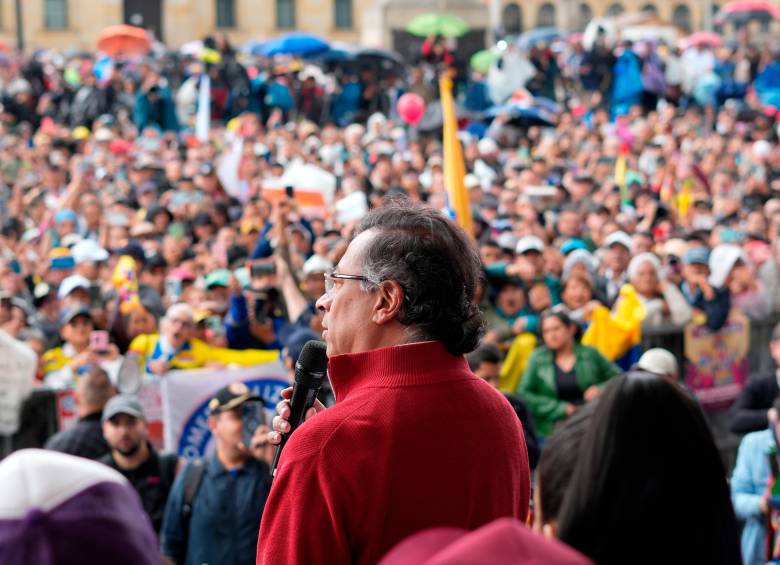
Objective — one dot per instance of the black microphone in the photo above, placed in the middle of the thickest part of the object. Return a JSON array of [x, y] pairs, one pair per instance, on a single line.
[[310, 371]]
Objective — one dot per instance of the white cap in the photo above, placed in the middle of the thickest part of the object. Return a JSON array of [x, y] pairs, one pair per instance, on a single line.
[[71, 239], [487, 146], [658, 361], [88, 250], [70, 284], [103, 134], [316, 264], [722, 261], [507, 240], [619, 238], [471, 181], [529, 243]]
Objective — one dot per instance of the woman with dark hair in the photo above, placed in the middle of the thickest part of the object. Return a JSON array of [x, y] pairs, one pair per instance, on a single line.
[[562, 374], [556, 467], [627, 501]]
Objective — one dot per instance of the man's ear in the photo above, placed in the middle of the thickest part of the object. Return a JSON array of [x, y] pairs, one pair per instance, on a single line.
[[389, 299]]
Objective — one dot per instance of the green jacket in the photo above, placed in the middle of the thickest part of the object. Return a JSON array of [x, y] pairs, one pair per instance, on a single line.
[[537, 387]]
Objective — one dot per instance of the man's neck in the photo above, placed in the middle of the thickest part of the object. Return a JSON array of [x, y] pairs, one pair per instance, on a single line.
[[131, 462], [231, 461]]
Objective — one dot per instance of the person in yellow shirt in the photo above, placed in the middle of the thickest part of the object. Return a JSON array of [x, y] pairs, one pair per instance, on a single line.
[[176, 348]]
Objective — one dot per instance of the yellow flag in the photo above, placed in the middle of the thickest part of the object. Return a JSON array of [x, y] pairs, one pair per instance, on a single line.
[[454, 169], [621, 167], [614, 333], [685, 198]]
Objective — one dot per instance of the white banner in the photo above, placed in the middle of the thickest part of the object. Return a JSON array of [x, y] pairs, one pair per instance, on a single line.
[[17, 372], [186, 394], [203, 116]]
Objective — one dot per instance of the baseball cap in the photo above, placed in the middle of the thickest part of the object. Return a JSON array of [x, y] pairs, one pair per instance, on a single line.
[[618, 238], [60, 259], [70, 284], [143, 229], [181, 274], [529, 243], [103, 135], [507, 240], [49, 496], [697, 256], [134, 250], [658, 361], [87, 250], [573, 244], [65, 216], [219, 277], [502, 541], [73, 312], [232, 396], [124, 404]]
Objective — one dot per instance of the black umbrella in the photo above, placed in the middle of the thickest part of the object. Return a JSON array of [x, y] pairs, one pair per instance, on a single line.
[[384, 60]]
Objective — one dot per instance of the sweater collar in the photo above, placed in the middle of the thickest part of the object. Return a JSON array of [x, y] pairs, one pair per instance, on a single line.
[[399, 365]]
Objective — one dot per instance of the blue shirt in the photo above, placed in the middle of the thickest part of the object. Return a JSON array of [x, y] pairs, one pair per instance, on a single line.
[[748, 485], [225, 515]]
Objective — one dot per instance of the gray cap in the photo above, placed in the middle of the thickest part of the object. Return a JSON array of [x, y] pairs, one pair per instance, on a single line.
[[123, 404]]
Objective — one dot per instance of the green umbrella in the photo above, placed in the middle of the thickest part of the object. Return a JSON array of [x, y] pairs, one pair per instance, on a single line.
[[437, 24], [481, 60]]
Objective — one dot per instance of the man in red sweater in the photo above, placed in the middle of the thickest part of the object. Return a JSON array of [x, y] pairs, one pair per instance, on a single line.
[[415, 440]]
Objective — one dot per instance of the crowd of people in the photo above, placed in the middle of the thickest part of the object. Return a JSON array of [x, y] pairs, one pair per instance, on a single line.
[[126, 233]]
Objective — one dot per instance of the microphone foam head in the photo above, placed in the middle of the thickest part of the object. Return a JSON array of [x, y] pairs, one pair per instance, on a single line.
[[313, 357]]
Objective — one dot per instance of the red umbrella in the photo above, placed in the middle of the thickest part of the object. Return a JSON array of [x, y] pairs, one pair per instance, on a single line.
[[740, 11], [124, 40], [702, 39]]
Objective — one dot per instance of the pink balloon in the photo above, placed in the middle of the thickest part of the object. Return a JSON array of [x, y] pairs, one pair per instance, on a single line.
[[411, 107]]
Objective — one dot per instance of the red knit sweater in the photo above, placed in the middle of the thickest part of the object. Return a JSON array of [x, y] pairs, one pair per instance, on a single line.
[[414, 441]]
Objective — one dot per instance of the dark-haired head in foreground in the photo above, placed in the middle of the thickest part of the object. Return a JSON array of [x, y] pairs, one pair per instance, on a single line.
[[649, 486]]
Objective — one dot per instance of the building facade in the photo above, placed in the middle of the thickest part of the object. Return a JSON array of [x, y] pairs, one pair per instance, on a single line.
[[75, 24]]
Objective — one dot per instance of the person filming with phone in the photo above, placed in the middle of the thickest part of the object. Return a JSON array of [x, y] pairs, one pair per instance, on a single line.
[[215, 504]]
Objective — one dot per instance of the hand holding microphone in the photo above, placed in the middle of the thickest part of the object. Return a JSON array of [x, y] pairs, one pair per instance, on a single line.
[[281, 423], [310, 372]]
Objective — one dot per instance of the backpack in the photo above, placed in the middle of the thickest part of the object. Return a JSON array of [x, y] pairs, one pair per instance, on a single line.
[[193, 476]]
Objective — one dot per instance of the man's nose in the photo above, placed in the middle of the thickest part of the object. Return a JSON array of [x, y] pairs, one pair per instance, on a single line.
[[323, 302]]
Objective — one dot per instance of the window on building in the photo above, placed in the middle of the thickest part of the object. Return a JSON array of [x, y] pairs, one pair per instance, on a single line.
[[615, 9], [681, 17], [226, 13], [512, 19], [342, 14], [55, 14], [546, 16], [649, 9], [285, 14], [716, 27], [584, 16]]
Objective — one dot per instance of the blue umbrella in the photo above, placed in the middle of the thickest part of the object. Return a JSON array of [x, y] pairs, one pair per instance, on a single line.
[[523, 116], [298, 44], [538, 35], [254, 47]]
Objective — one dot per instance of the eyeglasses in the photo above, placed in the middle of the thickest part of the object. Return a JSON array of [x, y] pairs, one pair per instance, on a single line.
[[331, 277]]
